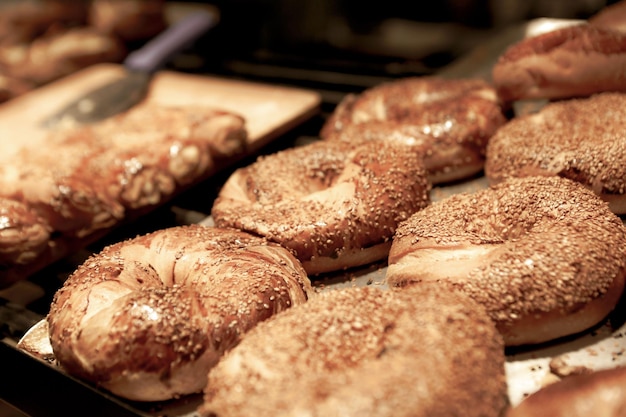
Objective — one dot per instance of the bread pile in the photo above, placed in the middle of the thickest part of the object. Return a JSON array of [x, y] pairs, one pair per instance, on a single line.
[[544, 243], [43, 40], [109, 172]]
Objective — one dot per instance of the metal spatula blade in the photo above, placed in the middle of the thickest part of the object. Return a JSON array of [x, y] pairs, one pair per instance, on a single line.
[[123, 93]]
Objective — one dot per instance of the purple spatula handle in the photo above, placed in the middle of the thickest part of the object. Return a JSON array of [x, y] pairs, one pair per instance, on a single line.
[[154, 54]]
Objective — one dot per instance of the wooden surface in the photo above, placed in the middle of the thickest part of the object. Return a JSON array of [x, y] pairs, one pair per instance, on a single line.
[[269, 110]]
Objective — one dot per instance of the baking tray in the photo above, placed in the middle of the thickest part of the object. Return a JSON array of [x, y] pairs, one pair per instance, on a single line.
[[26, 381]]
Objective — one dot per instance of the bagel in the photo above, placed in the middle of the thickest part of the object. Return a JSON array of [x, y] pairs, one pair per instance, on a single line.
[[146, 318], [448, 121], [572, 61], [544, 255], [580, 139], [365, 352], [334, 205], [599, 394]]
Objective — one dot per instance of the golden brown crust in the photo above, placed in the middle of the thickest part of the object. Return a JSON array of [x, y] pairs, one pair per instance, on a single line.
[[333, 205], [572, 61], [599, 394], [579, 139], [366, 352], [146, 318], [544, 255], [131, 162], [447, 121]]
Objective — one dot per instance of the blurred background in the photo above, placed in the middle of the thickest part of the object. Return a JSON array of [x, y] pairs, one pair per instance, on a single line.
[[351, 44], [333, 46]]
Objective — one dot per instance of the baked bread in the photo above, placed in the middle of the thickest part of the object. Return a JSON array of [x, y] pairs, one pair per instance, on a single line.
[[579, 139], [572, 61], [334, 205], [543, 255], [365, 352], [148, 317], [90, 178], [44, 40], [447, 121]]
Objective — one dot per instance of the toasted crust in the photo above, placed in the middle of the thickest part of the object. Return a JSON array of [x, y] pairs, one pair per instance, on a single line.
[[366, 352], [573, 61], [147, 318], [544, 255], [448, 122], [579, 139], [334, 205], [90, 178]]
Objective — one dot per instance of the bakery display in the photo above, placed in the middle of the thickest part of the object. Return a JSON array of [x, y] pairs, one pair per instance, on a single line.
[[543, 255], [548, 251], [146, 318], [447, 121], [334, 205], [580, 139], [365, 352], [89, 178]]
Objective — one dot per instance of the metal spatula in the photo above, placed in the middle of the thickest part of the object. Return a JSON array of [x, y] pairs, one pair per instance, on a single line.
[[123, 93]]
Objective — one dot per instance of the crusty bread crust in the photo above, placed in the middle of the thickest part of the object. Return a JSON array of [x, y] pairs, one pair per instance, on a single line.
[[447, 121], [573, 61], [366, 352], [580, 139], [148, 317], [334, 204], [89, 178], [544, 255]]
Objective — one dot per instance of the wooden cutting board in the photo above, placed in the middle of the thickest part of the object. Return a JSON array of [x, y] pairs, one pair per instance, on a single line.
[[269, 110]]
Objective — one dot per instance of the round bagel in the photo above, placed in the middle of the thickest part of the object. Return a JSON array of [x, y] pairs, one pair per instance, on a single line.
[[366, 352], [334, 205], [544, 255], [580, 139], [600, 394], [448, 121], [147, 318], [571, 61]]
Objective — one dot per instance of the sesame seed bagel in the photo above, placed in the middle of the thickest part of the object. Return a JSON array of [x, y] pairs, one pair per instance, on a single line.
[[580, 139], [572, 61], [544, 255], [334, 205], [366, 352], [599, 394], [146, 318], [447, 121]]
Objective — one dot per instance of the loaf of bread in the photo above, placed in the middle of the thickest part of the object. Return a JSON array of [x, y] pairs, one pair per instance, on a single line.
[[90, 178]]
